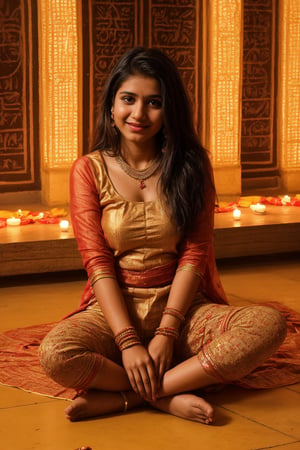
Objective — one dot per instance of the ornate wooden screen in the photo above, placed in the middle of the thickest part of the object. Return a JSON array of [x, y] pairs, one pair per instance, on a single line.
[[258, 141], [19, 152], [111, 27]]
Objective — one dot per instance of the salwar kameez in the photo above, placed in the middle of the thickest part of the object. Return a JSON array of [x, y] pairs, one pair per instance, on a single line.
[[137, 244]]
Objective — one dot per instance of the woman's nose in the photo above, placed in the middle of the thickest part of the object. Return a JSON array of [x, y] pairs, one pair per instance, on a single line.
[[139, 110]]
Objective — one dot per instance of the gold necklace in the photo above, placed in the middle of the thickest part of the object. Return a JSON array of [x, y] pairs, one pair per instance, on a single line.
[[140, 175]]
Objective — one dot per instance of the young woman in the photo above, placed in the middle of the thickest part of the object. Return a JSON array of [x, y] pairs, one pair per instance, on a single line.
[[154, 324]]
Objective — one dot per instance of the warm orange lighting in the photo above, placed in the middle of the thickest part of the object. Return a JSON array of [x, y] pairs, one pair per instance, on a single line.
[[289, 51], [59, 61], [225, 67]]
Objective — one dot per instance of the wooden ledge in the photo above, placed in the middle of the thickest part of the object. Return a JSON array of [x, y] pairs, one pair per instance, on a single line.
[[44, 248]]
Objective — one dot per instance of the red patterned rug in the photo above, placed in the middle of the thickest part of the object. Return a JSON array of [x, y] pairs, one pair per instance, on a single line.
[[20, 366]]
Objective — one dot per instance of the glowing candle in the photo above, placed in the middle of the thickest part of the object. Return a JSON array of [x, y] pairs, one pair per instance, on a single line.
[[64, 225], [286, 199], [236, 214], [258, 208], [13, 222]]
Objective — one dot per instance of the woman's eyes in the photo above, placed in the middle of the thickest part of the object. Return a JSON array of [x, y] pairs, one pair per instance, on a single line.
[[129, 100], [156, 103]]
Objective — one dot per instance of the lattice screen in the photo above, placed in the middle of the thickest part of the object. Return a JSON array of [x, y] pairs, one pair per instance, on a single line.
[[59, 59], [290, 51], [225, 41]]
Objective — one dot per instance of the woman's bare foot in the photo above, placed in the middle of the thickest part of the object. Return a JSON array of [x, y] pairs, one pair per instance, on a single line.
[[187, 406], [97, 403]]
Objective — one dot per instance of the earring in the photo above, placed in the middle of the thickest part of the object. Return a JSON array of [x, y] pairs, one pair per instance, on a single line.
[[112, 122], [112, 118]]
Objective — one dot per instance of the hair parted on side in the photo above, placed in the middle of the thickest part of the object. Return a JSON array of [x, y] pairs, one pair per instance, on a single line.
[[185, 165]]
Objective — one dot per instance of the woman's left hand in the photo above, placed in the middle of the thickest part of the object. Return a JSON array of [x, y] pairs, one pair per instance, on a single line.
[[161, 351]]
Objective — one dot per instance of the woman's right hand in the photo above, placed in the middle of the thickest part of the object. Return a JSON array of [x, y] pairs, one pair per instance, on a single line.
[[140, 371]]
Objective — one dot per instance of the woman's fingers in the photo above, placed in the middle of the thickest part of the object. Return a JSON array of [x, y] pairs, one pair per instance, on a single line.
[[161, 368], [132, 381], [161, 372], [143, 382], [153, 382], [141, 372]]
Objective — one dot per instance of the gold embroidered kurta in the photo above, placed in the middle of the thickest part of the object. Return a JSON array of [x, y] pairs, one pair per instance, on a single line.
[[136, 242]]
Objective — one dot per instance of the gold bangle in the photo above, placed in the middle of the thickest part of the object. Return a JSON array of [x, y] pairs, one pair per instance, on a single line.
[[124, 397]]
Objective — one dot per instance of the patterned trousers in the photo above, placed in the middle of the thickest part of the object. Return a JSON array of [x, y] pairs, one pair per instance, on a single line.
[[229, 341]]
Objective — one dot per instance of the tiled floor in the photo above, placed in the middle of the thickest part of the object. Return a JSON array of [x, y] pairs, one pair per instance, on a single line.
[[245, 419]]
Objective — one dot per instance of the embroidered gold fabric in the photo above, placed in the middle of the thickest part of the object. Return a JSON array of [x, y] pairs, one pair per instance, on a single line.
[[136, 242], [140, 234]]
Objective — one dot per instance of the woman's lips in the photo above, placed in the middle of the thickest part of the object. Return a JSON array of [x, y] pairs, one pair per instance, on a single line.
[[136, 126]]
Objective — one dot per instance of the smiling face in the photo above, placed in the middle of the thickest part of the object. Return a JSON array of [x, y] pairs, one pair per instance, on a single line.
[[137, 110]]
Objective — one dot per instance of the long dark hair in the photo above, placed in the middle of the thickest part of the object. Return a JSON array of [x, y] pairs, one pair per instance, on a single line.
[[185, 166]]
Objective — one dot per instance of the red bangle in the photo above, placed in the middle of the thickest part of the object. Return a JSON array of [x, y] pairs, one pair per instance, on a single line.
[[175, 313], [127, 338], [167, 331]]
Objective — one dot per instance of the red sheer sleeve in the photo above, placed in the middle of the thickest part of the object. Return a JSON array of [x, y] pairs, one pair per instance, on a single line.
[[97, 257]]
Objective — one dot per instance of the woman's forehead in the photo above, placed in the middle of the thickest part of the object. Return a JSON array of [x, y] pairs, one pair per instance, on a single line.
[[141, 83]]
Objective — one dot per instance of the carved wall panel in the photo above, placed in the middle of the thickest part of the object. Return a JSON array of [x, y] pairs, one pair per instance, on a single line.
[[19, 152], [108, 31], [112, 27], [174, 27], [258, 145]]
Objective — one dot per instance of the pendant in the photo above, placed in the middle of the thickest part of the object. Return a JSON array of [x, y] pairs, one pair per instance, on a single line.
[[142, 184]]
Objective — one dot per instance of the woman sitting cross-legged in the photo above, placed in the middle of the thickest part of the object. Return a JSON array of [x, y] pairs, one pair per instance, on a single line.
[[154, 324]]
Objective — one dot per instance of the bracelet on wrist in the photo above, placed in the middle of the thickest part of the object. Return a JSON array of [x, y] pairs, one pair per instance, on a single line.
[[125, 399], [127, 338], [175, 313], [167, 331]]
